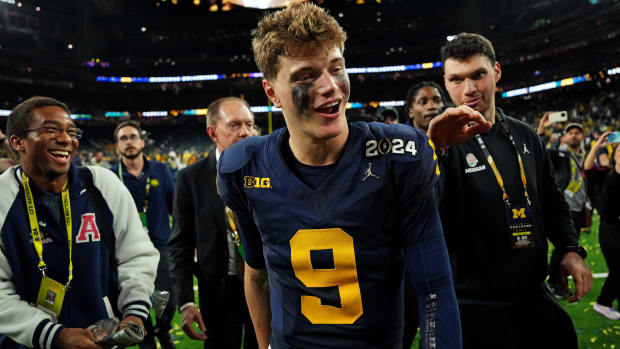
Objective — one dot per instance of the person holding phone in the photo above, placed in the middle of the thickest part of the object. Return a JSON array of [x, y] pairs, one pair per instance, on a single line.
[[568, 170], [609, 228]]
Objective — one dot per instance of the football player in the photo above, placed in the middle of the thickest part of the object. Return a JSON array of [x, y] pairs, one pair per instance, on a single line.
[[330, 211]]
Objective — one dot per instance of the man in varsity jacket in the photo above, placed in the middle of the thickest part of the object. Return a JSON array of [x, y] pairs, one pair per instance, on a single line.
[[56, 273]]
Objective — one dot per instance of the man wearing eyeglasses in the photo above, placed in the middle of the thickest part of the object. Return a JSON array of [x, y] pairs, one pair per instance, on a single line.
[[151, 185], [56, 273]]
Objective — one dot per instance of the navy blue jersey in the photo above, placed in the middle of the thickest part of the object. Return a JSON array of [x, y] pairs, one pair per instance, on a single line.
[[335, 255]]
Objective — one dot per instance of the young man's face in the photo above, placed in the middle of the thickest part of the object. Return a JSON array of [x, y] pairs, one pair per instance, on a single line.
[[425, 106], [313, 92], [129, 142], [45, 154], [472, 82]]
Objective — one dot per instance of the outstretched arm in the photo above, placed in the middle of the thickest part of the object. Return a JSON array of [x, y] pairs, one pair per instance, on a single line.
[[543, 123], [601, 142], [429, 268]]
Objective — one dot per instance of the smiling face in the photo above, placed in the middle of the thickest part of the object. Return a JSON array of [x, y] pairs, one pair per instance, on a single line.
[[313, 92], [472, 82], [42, 155]]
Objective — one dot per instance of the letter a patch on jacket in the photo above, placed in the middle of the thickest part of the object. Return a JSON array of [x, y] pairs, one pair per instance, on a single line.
[[88, 229]]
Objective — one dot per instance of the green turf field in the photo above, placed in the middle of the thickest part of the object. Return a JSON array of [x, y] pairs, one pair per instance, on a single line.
[[594, 331]]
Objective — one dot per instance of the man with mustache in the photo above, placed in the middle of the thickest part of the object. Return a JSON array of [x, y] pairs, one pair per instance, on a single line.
[[151, 185], [568, 162]]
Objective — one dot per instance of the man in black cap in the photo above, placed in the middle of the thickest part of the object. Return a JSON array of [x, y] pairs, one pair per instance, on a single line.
[[570, 177], [387, 115]]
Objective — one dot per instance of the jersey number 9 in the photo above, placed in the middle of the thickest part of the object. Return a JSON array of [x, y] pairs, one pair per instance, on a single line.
[[343, 275]]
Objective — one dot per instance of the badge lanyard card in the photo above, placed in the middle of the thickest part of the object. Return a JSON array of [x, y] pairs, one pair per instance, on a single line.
[[146, 196], [51, 292], [519, 217], [576, 178]]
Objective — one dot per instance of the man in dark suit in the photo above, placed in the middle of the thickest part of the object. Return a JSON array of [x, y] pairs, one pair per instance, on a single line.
[[201, 225]]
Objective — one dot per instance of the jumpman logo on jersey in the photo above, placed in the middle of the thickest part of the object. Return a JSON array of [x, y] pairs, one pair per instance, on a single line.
[[525, 149], [368, 173]]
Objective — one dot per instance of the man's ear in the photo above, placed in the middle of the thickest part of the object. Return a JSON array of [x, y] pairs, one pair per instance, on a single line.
[[498, 72], [212, 134], [17, 143], [271, 93]]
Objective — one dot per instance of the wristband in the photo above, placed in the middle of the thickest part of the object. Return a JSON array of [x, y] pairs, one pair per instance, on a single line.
[[577, 249]]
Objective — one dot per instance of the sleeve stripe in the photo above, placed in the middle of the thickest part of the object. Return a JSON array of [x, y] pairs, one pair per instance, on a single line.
[[143, 304], [44, 333], [51, 334], [137, 309]]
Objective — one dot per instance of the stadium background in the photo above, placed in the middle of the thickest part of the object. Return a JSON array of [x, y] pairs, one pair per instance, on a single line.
[[163, 61]]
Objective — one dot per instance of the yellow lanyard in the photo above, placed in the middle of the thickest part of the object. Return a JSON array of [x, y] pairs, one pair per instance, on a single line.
[[34, 224], [498, 176], [576, 180], [234, 233]]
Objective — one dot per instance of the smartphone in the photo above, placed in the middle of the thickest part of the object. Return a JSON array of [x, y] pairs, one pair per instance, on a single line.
[[613, 137], [558, 116]]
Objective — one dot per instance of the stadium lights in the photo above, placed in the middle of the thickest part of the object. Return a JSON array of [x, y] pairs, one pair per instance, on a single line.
[[255, 109], [81, 116], [613, 71], [261, 4], [206, 77], [116, 114], [153, 114], [547, 86], [351, 105], [11, 2]]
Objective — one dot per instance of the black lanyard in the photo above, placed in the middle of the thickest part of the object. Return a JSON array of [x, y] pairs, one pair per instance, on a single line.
[[498, 176]]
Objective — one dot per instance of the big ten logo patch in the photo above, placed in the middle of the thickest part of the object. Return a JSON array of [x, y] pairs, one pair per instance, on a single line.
[[256, 182], [88, 229], [518, 213]]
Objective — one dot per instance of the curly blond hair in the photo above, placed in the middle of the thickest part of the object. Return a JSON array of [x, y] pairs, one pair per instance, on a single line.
[[294, 31]]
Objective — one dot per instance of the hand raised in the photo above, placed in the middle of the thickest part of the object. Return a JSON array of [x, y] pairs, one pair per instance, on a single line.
[[456, 126]]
